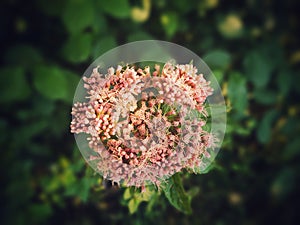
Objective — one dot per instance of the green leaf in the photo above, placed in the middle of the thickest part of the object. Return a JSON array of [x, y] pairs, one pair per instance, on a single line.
[[13, 86], [72, 82], [39, 212], [80, 188], [139, 36], [182, 6], [100, 24], [258, 68], [169, 22], [291, 126], [51, 82], [133, 205], [23, 55], [84, 188], [51, 8], [237, 92], [219, 75], [175, 193], [60, 122], [29, 130], [116, 8], [127, 195], [284, 183], [70, 85], [265, 96], [78, 15], [292, 149], [217, 59], [78, 48], [136, 197], [284, 81], [264, 128], [103, 45]]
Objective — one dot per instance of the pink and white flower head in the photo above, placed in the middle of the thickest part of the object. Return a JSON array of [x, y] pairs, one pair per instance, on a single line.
[[143, 126]]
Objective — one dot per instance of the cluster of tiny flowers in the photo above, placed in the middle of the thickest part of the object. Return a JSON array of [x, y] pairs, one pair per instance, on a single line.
[[142, 126]]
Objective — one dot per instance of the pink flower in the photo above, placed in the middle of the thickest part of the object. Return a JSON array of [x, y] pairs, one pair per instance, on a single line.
[[141, 126]]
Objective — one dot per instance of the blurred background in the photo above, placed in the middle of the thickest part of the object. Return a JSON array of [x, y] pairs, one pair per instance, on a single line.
[[253, 49]]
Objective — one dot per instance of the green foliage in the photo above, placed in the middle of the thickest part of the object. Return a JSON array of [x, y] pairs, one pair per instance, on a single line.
[[284, 81], [53, 8], [15, 79], [254, 53], [104, 44], [135, 197], [115, 8], [50, 82], [23, 55], [265, 126], [174, 191], [78, 47], [139, 36], [78, 15], [292, 150], [237, 92], [258, 68], [283, 184], [217, 59], [55, 83], [169, 21]]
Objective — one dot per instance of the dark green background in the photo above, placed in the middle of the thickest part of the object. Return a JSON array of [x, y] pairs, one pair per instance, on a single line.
[[253, 48]]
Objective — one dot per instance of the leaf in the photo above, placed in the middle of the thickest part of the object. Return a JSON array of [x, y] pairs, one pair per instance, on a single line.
[[59, 122], [133, 205], [79, 189], [72, 82], [84, 188], [14, 86], [103, 45], [29, 130], [291, 126], [127, 194], [116, 8], [136, 197], [51, 8], [78, 47], [169, 22], [265, 96], [78, 15], [175, 193], [219, 75], [284, 183], [50, 82], [264, 128], [292, 149], [139, 36], [237, 92], [23, 55], [258, 68], [39, 212], [100, 24], [217, 59], [182, 6], [284, 81]]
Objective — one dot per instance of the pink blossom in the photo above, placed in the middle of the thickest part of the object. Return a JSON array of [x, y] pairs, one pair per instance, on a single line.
[[140, 125]]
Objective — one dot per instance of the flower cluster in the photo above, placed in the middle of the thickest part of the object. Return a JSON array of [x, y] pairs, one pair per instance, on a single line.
[[143, 127]]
